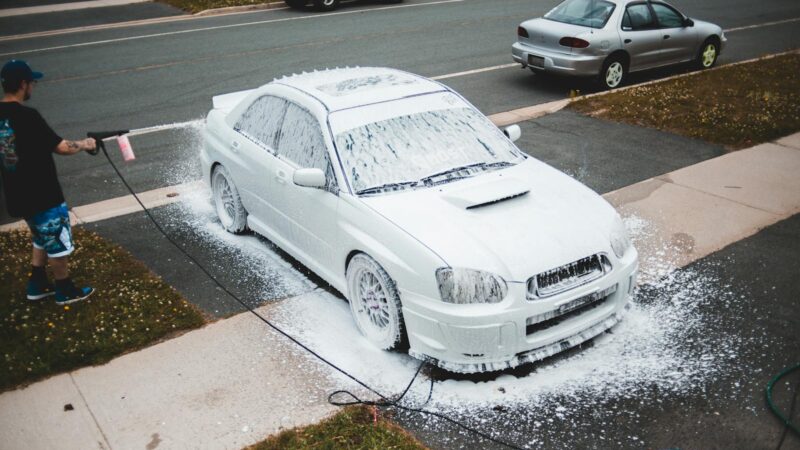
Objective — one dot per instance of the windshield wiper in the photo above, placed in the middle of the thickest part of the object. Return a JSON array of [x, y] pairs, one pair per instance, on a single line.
[[479, 166], [387, 187]]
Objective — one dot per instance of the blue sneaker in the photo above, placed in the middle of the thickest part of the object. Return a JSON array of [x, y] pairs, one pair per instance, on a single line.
[[72, 295], [38, 290]]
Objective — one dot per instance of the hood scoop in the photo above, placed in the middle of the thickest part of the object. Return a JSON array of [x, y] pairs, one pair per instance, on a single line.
[[485, 194], [494, 202]]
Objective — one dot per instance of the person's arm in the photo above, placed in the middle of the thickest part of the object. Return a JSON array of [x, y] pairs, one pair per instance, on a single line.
[[66, 147]]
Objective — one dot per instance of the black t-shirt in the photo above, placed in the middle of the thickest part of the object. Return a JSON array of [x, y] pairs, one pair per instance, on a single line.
[[29, 174]]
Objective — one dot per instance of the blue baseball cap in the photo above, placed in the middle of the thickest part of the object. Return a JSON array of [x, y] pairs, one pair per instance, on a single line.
[[18, 70]]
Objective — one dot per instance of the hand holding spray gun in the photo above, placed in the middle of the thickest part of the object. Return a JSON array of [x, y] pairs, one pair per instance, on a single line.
[[122, 141]]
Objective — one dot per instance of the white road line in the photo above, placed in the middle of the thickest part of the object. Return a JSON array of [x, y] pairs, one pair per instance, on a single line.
[[761, 25], [222, 27], [474, 71]]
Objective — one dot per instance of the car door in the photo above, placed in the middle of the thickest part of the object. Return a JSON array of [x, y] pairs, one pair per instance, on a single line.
[[308, 215], [679, 42], [640, 36], [255, 141]]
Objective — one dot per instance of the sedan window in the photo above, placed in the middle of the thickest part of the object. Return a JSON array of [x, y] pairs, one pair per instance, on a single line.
[[587, 13], [667, 17], [302, 143], [638, 17], [412, 150], [261, 122]]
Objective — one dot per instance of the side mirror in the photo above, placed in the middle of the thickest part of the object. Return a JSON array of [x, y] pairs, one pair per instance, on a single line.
[[313, 178], [513, 132], [687, 22]]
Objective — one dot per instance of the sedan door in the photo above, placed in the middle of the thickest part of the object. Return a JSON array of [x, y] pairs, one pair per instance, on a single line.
[[255, 141], [679, 42], [641, 37], [308, 216]]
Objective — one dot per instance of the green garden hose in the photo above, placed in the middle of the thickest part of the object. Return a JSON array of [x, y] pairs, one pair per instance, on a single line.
[[786, 420]]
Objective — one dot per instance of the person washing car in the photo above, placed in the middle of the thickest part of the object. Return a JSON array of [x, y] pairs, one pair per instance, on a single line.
[[31, 185]]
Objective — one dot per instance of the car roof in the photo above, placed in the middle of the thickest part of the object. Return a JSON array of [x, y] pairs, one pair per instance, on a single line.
[[350, 87]]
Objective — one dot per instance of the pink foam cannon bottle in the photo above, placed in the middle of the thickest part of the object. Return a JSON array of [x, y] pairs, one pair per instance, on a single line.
[[122, 141]]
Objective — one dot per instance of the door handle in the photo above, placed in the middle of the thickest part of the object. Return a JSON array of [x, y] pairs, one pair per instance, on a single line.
[[235, 146], [666, 36], [280, 176], [627, 41]]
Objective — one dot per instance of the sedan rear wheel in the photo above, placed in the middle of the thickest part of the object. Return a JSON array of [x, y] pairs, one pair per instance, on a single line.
[[296, 4], [375, 303], [326, 5], [613, 73], [227, 202]]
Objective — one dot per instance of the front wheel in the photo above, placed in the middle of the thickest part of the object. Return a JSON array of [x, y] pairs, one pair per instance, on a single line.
[[227, 202], [613, 73], [708, 54], [326, 5], [375, 303]]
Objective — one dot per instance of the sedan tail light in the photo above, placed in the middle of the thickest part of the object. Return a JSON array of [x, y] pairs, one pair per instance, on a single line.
[[573, 42], [522, 32]]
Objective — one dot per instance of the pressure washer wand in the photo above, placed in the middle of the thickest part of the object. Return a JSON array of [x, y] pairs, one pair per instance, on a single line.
[[99, 136]]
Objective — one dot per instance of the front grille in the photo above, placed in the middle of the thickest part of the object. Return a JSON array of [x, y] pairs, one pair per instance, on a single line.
[[569, 310], [568, 276]]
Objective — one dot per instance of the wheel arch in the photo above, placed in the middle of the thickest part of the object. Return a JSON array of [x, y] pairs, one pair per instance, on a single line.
[[622, 54]]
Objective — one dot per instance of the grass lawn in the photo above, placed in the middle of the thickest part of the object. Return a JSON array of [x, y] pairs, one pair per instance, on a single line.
[[737, 106], [131, 309], [195, 6], [353, 428]]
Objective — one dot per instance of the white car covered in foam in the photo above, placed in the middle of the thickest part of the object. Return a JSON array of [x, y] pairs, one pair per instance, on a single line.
[[446, 239]]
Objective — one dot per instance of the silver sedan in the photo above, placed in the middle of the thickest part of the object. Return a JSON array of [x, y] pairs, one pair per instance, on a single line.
[[611, 38]]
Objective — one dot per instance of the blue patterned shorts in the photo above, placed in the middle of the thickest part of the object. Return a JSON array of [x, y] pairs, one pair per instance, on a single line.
[[51, 231]]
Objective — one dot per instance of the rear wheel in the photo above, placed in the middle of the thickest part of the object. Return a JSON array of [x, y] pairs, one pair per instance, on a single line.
[[227, 202], [708, 54], [326, 5], [375, 303], [296, 4], [613, 73]]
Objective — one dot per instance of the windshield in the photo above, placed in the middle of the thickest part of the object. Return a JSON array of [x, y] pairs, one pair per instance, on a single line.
[[587, 13], [423, 148]]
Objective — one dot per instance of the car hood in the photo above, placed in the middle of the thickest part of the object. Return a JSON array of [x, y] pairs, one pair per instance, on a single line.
[[514, 222]]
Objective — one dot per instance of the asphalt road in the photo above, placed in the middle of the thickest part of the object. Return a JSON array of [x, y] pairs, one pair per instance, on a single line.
[[149, 75]]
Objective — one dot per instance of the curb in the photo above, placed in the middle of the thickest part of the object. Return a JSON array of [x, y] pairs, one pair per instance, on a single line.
[[239, 9]]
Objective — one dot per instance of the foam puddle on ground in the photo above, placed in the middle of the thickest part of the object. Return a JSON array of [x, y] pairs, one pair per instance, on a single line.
[[662, 348]]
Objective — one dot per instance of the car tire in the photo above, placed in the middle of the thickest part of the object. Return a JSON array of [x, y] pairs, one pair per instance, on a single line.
[[613, 72], [227, 202], [326, 5], [375, 303], [296, 4], [708, 54]]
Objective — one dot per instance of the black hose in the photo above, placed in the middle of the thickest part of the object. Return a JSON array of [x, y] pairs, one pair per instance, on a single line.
[[787, 421], [385, 401]]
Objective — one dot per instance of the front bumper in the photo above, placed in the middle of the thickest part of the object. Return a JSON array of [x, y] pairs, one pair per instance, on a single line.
[[557, 62], [484, 338]]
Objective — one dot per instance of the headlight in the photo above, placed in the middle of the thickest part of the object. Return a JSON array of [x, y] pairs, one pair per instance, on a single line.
[[467, 286], [620, 242]]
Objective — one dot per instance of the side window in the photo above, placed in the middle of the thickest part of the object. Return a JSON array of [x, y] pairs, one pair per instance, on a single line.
[[302, 142], [667, 17], [638, 17], [261, 122]]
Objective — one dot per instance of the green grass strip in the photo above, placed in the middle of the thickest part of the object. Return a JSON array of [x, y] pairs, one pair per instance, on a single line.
[[132, 308], [737, 106], [353, 428]]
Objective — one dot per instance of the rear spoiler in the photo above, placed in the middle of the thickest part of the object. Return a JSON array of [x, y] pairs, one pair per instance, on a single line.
[[226, 102]]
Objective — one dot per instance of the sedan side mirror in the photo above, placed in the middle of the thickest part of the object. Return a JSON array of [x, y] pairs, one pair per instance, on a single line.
[[313, 178], [687, 22], [513, 132]]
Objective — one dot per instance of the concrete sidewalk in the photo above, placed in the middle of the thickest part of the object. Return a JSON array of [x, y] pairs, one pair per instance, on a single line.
[[234, 382]]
